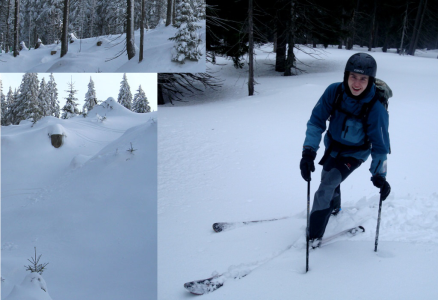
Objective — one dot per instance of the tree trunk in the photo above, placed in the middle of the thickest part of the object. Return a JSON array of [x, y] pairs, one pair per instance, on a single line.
[[92, 18], [251, 50], [7, 28], [341, 41], [143, 9], [411, 50], [16, 27], [130, 29], [174, 12], [373, 26], [169, 12], [290, 40], [352, 27], [160, 95], [404, 27], [64, 39], [280, 59], [419, 28]]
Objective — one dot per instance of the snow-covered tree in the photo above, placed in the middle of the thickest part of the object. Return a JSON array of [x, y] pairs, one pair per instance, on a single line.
[[69, 109], [90, 98], [10, 103], [141, 103], [125, 96], [4, 106], [186, 39], [43, 99], [26, 106], [52, 94]]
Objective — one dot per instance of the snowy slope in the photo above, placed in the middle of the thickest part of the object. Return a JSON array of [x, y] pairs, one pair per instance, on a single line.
[[86, 56], [229, 157], [89, 206]]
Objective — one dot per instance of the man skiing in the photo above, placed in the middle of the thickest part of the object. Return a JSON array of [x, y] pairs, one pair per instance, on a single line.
[[358, 127]]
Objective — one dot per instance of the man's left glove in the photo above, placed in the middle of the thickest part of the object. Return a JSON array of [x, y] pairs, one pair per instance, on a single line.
[[306, 163], [382, 184]]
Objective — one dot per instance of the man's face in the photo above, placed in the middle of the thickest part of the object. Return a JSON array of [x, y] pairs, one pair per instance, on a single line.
[[357, 83]]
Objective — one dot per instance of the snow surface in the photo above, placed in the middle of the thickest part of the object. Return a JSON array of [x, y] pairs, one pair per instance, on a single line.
[[89, 207], [86, 56], [227, 157]]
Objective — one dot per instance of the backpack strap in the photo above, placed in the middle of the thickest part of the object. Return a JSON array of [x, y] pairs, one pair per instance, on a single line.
[[338, 99]]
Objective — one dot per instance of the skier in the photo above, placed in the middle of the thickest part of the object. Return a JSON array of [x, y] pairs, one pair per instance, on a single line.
[[358, 127]]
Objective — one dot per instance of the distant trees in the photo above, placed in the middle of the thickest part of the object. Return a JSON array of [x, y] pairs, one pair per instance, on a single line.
[[54, 20], [70, 110], [140, 103]]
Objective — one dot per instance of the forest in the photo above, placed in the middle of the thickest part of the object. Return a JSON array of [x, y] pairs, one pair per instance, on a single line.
[[298, 25], [34, 100], [28, 23]]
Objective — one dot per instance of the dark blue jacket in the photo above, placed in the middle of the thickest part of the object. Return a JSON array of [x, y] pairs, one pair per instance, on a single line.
[[352, 132]]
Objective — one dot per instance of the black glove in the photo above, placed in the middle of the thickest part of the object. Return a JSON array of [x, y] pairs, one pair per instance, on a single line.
[[306, 163], [382, 184]]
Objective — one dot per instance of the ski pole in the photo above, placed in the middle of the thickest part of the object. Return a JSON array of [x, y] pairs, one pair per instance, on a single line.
[[378, 224], [307, 229]]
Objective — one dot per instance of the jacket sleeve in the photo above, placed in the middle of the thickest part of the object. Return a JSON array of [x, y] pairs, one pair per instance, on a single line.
[[378, 123], [320, 113]]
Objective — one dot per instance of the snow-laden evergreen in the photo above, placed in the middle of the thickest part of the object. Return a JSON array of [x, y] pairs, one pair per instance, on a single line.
[[125, 96], [43, 100], [4, 105], [140, 103], [52, 92], [187, 39], [70, 110], [90, 98], [9, 101], [26, 106]]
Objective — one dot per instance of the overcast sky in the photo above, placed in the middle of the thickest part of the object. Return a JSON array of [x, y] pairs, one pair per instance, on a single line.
[[106, 84]]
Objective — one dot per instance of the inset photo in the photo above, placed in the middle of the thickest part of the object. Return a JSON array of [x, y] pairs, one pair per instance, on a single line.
[[78, 186], [64, 36]]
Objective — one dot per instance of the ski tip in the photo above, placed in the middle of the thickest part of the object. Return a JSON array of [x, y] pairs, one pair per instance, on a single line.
[[363, 229], [217, 227]]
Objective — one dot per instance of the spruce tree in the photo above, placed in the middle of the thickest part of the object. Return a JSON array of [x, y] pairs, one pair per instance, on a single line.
[[90, 98], [141, 103], [125, 96], [26, 106], [52, 93], [186, 38], [10, 103], [4, 106], [69, 109], [43, 99]]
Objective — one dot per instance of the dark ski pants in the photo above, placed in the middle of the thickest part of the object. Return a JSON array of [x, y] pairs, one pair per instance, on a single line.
[[328, 195]]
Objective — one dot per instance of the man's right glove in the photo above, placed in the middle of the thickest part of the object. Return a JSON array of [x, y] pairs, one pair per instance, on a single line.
[[306, 163], [382, 184]]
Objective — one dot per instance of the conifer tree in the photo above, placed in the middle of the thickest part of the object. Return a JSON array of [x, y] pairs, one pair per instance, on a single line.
[[26, 105], [90, 98], [125, 96], [4, 106], [69, 109], [9, 102], [141, 103], [186, 39], [43, 99], [52, 94]]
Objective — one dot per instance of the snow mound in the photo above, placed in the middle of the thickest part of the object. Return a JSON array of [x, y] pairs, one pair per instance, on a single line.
[[55, 129], [33, 287]]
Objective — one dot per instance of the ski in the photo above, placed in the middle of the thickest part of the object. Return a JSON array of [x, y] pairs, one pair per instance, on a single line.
[[353, 231], [223, 226]]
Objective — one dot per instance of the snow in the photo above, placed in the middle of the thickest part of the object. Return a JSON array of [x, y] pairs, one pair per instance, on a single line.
[[86, 56], [89, 207], [227, 157]]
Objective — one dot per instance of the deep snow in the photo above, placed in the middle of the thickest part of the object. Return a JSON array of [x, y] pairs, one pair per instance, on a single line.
[[89, 207], [86, 56], [225, 156]]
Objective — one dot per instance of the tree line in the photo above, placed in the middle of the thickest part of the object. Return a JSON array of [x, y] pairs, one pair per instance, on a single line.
[[34, 100], [56, 21]]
